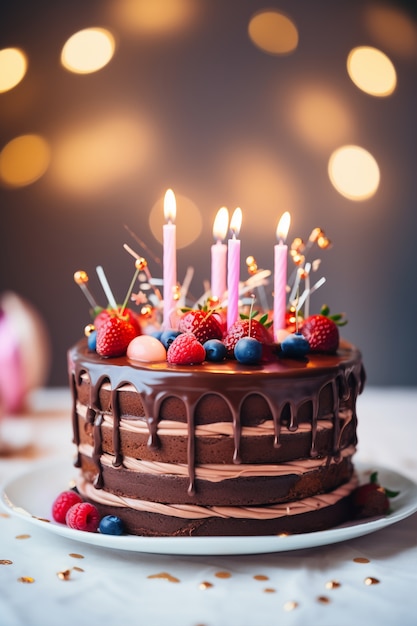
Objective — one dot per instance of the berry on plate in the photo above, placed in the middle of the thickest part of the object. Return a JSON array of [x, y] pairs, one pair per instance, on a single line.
[[186, 350], [111, 525], [83, 516], [370, 499], [113, 336], [203, 324], [246, 328], [62, 503]]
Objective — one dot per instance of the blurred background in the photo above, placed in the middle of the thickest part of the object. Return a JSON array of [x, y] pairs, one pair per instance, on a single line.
[[306, 106]]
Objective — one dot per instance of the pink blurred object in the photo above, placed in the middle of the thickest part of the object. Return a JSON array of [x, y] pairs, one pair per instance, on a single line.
[[24, 352]]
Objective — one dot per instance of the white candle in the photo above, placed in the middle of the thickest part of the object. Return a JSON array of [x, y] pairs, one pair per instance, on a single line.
[[280, 274], [169, 257], [219, 254], [233, 269]]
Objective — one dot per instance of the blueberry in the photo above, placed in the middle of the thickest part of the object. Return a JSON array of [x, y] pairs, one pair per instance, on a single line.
[[248, 350], [168, 336], [111, 525], [215, 350], [157, 334], [91, 340], [295, 346]]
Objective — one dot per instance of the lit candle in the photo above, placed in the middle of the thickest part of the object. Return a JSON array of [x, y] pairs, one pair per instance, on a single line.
[[170, 256], [280, 274], [233, 268], [219, 254]]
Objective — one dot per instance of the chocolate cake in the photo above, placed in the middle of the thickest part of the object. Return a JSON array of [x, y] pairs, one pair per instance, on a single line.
[[217, 448]]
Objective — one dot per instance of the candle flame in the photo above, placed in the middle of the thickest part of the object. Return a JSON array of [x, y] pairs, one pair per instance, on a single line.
[[283, 226], [170, 206], [236, 222], [221, 224]]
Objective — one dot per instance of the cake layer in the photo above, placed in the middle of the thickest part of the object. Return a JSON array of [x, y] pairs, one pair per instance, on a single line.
[[154, 519], [214, 443], [213, 484]]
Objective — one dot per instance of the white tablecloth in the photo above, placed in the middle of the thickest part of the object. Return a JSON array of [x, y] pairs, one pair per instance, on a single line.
[[323, 585]]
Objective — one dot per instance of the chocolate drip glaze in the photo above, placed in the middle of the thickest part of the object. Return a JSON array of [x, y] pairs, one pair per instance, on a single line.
[[283, 386]]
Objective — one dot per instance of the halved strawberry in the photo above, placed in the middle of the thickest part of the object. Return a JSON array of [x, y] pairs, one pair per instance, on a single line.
[[203, 324], [114, 335]]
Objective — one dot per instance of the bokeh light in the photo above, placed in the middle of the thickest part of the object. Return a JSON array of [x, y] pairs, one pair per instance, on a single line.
[[392, 30], [372, 71], [153, 17], [319, 116], [98, 153], [88, 50], [13, 66], [188, 220], [354, 172], [24, 160], [273, 32]]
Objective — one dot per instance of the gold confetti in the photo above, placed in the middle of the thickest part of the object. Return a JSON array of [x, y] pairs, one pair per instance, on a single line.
[[22, 537], [261, 577], [223, 575], [269, 590], [42, 519], [290, 606], [78, 569], [165, 576], [332, 584], [323, 600], [26, 579], [361, 559], [74, 555], [6, 562], [371, 581], [65, 575], [5, 515], [205, 585]]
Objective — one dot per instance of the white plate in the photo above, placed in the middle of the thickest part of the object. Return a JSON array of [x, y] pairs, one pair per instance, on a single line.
[[30, 496]]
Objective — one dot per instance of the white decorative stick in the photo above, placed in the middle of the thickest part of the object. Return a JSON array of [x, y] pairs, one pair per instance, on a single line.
[[106, 287]]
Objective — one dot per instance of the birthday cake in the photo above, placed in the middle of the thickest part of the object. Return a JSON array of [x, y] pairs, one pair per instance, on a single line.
[[217, 448], [217, 420]]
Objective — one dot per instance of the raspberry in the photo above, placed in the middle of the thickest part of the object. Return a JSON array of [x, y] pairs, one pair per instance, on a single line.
[[62, 503], [83, 516], [186, 350]]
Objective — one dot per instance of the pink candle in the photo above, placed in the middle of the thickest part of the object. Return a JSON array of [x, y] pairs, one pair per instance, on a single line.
[[233, 269], [170, 257], [219, 254], [280, 274]]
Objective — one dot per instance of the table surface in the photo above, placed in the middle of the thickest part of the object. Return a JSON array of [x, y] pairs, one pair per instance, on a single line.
[[47, 579]]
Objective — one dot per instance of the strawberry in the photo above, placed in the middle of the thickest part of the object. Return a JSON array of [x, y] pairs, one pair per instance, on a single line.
[[246, 328], [113, 336], [128, 314], [203, 324], [186, 350], [321, 333], [370, 499]]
